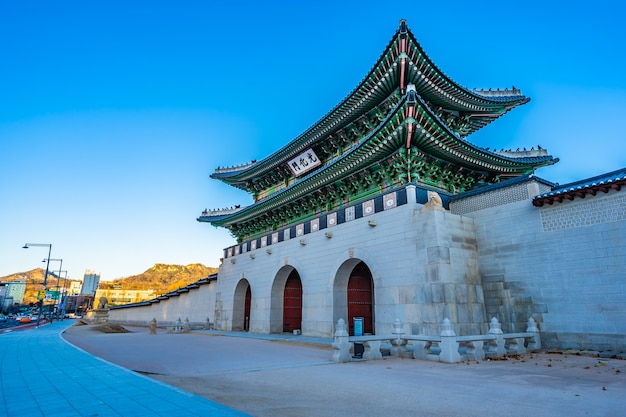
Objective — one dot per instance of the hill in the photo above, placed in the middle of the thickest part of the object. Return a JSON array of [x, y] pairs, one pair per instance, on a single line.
[[34, 282], [161, 278]]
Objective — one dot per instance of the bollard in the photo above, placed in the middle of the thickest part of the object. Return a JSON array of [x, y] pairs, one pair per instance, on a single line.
[[179, 326], [341, 343], [495, 328], [535, 344], [449, 346], [399, 344]]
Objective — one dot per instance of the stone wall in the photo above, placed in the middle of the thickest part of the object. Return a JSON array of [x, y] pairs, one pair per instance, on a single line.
[[497, 256], [424, 265], [197, 305], [562, 264]]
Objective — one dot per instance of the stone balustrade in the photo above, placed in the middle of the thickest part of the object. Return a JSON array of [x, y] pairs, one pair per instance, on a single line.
[[447, 347], [185, 327]]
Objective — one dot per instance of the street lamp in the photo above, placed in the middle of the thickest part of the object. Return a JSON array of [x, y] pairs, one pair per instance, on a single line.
[[62, 295], [58, 276], [45, 277]]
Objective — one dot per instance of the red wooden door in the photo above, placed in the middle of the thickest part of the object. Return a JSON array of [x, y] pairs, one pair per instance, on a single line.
[[246, 310], [292, 303], [360, 290]]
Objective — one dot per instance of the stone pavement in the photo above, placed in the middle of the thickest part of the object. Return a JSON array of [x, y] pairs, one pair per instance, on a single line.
[[283, 375], [43, 375]]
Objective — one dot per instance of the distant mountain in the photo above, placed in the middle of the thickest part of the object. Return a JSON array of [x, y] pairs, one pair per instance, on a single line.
[[34, 282], [162, 278]]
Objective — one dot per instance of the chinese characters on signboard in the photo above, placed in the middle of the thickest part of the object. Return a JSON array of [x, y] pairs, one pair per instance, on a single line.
[[304, 162]]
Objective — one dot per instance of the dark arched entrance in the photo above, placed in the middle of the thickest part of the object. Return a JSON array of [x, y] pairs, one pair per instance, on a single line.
[[292, 303], [246, 310], [360, 297], [241, 306]]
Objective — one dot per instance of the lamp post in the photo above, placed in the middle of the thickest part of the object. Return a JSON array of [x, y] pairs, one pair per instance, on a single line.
[[45, 277], [64, 295], [58, 276]]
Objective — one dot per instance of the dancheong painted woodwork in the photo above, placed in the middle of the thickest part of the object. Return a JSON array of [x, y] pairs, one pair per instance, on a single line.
[[406, 122]]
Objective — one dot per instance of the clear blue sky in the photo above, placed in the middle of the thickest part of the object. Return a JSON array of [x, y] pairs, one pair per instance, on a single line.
[[113, 114]]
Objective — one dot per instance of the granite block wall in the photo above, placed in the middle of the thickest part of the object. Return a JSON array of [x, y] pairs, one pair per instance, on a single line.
[[562, 264]]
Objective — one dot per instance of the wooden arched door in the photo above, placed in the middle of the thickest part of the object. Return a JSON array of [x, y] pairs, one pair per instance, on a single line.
[[246, 310], [292, 303], [360, 298]]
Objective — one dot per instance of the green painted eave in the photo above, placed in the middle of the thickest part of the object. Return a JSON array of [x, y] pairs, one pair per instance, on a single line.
[[379, 84], [432, 138]]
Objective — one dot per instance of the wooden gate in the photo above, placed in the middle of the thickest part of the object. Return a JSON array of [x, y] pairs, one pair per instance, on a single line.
[[292, 303], [246, 310], [360, 296]]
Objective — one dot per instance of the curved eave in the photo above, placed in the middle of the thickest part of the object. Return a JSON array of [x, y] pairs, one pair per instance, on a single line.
[[435, 85], [214, 218], [359, 156], [384, 140], [373, 89], [384, 78], [435, 138]]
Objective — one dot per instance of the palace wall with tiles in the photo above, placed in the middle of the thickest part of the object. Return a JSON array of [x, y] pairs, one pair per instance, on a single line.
[[489, 255], [563, 264]]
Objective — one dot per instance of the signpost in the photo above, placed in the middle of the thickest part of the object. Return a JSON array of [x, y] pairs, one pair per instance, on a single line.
[[358, 331], [358, 326]]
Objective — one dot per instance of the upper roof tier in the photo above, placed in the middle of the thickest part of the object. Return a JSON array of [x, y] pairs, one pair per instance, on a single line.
[[458, 110]]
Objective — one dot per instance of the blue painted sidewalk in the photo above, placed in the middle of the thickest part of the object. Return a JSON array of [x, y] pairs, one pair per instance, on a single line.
[[43, 375]]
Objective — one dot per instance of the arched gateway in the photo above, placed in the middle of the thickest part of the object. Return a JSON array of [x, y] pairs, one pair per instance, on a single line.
[[292, 304], [241, 306], [286, 312], [353, 295], [361, 298]]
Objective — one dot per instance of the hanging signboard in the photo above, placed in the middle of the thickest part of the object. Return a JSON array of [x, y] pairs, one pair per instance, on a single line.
[[304, 162]]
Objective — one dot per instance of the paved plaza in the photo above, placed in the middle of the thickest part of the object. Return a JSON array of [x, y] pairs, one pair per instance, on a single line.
[[43, 375]]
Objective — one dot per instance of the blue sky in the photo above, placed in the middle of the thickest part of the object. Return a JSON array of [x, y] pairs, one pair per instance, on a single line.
[[114, 114]]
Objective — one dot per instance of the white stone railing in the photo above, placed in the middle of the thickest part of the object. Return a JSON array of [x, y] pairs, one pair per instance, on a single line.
[[447, 347], [185, 327]]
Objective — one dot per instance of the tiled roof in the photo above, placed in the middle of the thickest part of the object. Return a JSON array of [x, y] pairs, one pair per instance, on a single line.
[[485, 188], [614, 180], [174, 293]]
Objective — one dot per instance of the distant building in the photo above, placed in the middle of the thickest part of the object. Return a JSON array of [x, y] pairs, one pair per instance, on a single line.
[[74, 287], [14, 289], [11, 293], [91, 280]]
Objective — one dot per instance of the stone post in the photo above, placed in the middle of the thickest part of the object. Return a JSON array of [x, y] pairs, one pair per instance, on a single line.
[[179, 326], [341, 345], [153, 326], [399, 345], [535, 344], [449, 346], [495, 328]]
